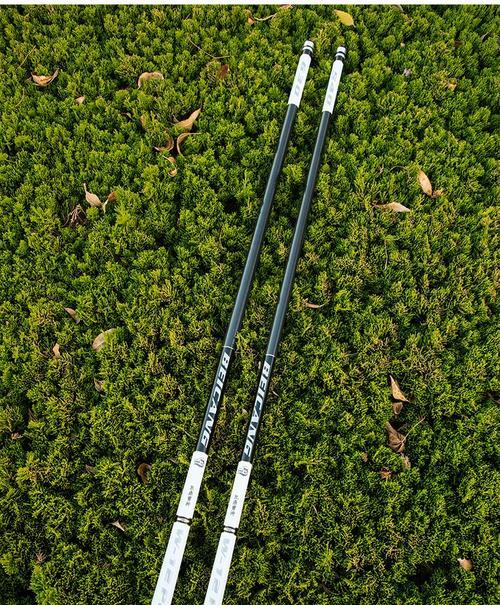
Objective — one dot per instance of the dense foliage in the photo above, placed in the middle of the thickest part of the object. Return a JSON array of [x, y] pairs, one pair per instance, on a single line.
[[408, 294]]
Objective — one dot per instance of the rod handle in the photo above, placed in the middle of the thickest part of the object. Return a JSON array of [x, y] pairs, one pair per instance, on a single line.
[[192, 485], [333, 83], [238, 493], [301, 74], [220, 569], [171, 565]]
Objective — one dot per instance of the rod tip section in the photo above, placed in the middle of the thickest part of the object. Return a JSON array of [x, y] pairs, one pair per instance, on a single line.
[[308, 47], [341, 53]]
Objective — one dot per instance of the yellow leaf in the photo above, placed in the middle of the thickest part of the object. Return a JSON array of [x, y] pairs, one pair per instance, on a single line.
[[80, 100], [187, 124], [345, 18], [424, 183], [43, 81], [56, 350], [149, 75]]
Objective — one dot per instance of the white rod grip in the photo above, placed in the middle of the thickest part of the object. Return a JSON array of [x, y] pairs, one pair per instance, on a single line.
[[299, 80], [238, 493], [192, 485], [333, 85], [220, 570], [171, 565]]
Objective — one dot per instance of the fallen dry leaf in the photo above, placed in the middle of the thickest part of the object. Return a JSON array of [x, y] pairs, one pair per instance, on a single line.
[[406, 462], [181, 138], [57, 351], [143, 470], [223, 71], [187, 124], [92, 198], [80, 100], [397, 407], [76, 217], [111, 197], [143, 122], [424, 183], [172, 172], [118, 525], [437, 193], [149, 75], [167, 147], [396, 440], [43, 81], [90, 469], [100, 339], [99, 385], [72, 313], [39, 558], [465, 564], [313, 305], [385, 474], [251, 20], [397, 393], [16, 436], [394, 206], [345, 18]]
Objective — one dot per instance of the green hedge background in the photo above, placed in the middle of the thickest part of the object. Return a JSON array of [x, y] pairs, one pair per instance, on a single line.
[[412, 295]]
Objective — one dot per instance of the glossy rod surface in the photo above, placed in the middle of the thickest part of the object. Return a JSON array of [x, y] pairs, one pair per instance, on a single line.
[[223, 557], [172, 560]]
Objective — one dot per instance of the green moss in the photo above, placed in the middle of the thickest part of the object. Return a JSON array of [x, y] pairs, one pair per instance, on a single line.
[[412, 295]]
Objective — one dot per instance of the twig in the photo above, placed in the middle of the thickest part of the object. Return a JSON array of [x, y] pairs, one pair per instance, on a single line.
[[208, 54], [24, 60], [414, 426]]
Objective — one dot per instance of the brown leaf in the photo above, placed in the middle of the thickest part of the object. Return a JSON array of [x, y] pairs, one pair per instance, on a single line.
[[143, 470], [172, 172], [286, 7], [168, 147], [43, 81], [99, 385], [182, 137], [100, 339], [80, 100], [118, 525], [345, 18], [397, 393], [56, 350], [406, 462], [39, 558], [92, 198], [223, 71], [396, 440], [72, 313], [312, 305], [424, 183], [149, 75], [397, 407], [465, 564], [16, 436], [187, 124], [385, 474], [394, 206], [251, 20], [111, 197]]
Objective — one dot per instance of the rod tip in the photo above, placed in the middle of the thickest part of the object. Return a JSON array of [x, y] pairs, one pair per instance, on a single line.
[[308, 47], [341, 53]]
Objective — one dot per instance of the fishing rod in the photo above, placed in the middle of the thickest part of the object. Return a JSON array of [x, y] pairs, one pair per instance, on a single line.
[[225, 549], [178, 537]]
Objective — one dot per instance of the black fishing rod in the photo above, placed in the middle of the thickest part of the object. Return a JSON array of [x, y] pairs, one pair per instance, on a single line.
[[177, 543], [220, 569]]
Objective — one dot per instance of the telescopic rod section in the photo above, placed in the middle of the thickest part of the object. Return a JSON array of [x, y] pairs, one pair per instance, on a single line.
[[177, 543], [220, 570]]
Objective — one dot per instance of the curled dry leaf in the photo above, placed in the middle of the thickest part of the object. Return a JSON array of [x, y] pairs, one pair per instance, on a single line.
[[465, 564], [312, 305], [118, 525], [385, 474], [394, 206], [143, 470], [397, 407], [92, 198], [251, 20], [72, 313], [57, 351], [100, 339], [79, 100], [172, 172], [99, 385], [149, 75], [397, 393], [182, 137], [167, 147], [43, 81], [111, 197], [187, 124], [424, 182], [345, 18], [396, 440]]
